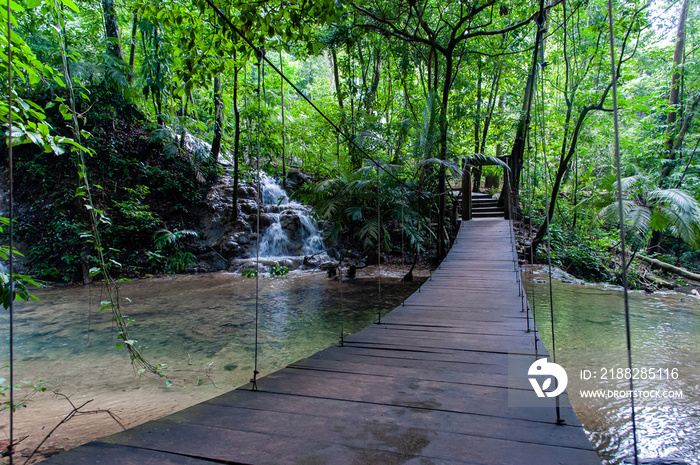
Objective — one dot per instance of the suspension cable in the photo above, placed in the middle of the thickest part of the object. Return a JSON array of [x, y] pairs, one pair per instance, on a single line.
[[259, 64], [531, 176], [379, 248], [284, 129], [403, 254], [543, 64], [623, 259], [11, 270]]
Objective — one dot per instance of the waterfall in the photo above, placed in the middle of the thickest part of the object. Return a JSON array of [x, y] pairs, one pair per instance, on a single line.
[[292, 231]]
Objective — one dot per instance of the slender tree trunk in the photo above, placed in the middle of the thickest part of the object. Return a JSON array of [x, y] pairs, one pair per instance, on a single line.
[[218, 119], [183, 129], [442, 188], [158, 98], [111, 29], [477, 128], [499, 145], [236, 143], [518, 152], [132, 52], [674, 97]]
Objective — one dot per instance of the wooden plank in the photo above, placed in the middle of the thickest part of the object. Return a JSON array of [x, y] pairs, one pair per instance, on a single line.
[[98, 452]]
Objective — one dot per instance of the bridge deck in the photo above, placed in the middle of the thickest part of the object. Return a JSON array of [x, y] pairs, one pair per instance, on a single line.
[[428, 385]]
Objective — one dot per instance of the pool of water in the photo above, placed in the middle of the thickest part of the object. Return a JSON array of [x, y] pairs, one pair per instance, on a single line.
[[589, 328], [202, 327]]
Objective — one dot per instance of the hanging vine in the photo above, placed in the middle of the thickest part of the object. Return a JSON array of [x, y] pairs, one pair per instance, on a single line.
[[96, 216]]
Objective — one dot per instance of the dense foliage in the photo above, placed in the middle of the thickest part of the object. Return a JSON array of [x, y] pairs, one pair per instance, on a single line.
[[415, 89]]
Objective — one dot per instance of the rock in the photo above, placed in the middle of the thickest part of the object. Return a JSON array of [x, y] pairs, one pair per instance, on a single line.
[[248, 206], [228, 247], [296, 179], [247, 192], [211, 261], [266, 219], [290, 221], [242, 238], [274, 208]]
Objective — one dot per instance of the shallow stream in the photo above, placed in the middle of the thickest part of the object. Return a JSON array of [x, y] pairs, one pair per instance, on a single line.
[[590, 335], [202, 327]]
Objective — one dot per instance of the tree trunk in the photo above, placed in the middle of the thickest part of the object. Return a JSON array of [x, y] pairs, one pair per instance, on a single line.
[[674, 97], [442, 188], [518, 152], [670, 268], [477, 129], [218, 119], [561, 171], [111, 29], [236, 143], [132, 53]]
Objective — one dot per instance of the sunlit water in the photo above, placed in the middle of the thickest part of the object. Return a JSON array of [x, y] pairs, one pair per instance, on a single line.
[[590, 335], [202, 327]]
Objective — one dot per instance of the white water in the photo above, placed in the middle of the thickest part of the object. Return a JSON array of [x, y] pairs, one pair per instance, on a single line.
[[278, 241]]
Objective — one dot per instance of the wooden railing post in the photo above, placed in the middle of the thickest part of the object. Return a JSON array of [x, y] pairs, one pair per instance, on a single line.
[[507, 194], [466, 193]]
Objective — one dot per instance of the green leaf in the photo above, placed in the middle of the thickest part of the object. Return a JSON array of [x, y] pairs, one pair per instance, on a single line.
[[71, 5]]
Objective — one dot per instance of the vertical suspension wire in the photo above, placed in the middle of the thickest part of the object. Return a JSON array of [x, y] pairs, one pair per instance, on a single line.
[[430, 229], [623, 258], [532, 250], [340, 264], [530, 262], [11, 213], [340, 280], [261, 69], [403, 255], [379, 247], [284, 128], [560, 420]]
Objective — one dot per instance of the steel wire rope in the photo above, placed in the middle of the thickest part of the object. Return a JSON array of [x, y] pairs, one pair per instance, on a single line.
[[11, 263], [623, 259], [531, 184], [403, 257], [543, 64], [379, 249], [260, 54]]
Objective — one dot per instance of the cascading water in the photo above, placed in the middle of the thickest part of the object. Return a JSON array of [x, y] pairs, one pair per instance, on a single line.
[[292, 231]]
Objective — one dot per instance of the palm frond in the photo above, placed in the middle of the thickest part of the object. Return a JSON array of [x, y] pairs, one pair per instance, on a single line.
[[637, 220], [449, 165], [629, 181], [676, 199], [473, 159]]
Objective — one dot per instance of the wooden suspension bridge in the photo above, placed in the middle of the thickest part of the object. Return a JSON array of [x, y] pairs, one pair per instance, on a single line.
[[430, 384]]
